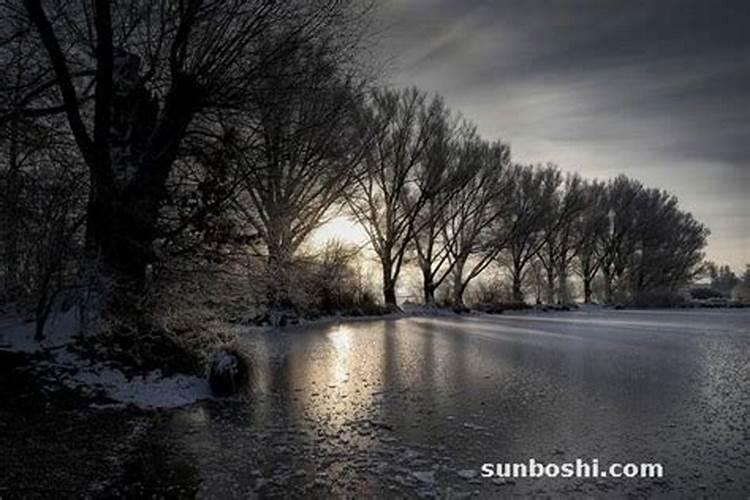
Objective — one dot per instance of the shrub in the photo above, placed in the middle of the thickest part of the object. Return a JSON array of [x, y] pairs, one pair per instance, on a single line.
[[657, 298], [703, 293], [173, 327], [498, 308], [310, 286]]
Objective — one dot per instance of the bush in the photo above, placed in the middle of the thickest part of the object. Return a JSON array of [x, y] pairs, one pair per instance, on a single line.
[[703, 293], [340, 284], [492, 291], [310, 286], [173, 327], [498, 308], [657, 298]]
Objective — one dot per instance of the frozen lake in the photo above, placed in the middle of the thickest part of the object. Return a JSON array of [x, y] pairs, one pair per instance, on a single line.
[[413, 406]]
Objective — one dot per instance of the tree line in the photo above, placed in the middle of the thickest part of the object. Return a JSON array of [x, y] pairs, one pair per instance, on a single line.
[[138, 135], [433, 187]]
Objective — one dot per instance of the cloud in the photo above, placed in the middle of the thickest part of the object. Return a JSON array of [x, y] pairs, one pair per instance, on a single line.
[[656, 90]]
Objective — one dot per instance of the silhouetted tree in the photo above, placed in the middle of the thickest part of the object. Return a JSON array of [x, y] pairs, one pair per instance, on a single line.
[[722, 278], [617, 241], [589, 227], [397, 126], [529, 198], [132, 81], [472, 234], [558, 250], [297, 148], [452, 160], [668, 247]]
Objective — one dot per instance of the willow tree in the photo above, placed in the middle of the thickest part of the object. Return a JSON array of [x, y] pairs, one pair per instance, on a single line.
[[471, 231], [589, 226], [297, 149], [453, 159], [559, 247], [133, 77], [397, 126], [529, 204]]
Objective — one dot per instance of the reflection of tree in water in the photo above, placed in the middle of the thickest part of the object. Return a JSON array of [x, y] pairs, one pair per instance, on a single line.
[[416, 390]]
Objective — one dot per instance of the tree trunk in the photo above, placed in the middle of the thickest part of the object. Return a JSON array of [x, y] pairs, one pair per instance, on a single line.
[[587, 289], [563, 294], [128, 184], [459, 287], [389, 285], [428, 287], [121, 230], [550, 288], [517, 292], [389, 293], [11, 234], [608, 292]]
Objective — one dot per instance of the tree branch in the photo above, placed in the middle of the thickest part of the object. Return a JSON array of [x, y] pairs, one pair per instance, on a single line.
[[57, 58]]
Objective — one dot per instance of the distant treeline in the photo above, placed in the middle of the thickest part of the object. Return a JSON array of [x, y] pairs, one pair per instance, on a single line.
[[164, 142]]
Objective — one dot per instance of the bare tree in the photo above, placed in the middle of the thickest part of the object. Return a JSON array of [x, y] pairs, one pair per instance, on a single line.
[[132, 80], [398, 126], [471, 232], [616, 242], [559, 247], [668, 249], [298, 151], [532, 188], [589, 226], [453, 159], [24, 139]]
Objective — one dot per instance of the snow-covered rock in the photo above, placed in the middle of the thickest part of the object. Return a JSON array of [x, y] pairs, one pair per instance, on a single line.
[[228, 372]]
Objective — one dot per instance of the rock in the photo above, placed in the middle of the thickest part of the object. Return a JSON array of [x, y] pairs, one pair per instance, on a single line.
[[467, 474], [228, 372]]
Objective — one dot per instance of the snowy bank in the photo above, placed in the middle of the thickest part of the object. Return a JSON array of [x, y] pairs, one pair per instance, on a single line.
[[63, 365]]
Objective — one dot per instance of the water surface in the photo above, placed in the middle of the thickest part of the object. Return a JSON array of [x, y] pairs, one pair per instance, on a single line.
[[415, 406]]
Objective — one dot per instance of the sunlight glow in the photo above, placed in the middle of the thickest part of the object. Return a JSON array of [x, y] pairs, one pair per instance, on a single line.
[[339, 228]]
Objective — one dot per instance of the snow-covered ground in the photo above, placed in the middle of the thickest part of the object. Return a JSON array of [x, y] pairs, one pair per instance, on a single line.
[[63, 365]]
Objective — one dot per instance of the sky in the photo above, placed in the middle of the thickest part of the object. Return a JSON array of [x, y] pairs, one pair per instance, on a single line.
[[657, 90]]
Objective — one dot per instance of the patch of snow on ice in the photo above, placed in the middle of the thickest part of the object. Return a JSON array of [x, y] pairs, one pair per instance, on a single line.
[[150, 390]]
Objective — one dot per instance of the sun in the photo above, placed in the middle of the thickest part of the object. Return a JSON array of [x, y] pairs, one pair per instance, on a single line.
[[339, 228]]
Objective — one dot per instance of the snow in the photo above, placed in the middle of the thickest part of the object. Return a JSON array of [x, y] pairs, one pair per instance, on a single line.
[[17, 335], [149, 390]]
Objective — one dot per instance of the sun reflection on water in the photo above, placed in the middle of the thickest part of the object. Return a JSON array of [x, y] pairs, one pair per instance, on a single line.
[[341, 339]]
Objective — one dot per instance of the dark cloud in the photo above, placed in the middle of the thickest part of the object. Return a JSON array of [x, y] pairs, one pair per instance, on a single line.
[[659, 90]]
